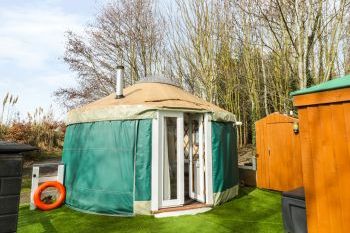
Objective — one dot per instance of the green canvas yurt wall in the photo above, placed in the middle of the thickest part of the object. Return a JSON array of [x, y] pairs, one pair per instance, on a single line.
[[108, 165], [225, 161], [108, 149]]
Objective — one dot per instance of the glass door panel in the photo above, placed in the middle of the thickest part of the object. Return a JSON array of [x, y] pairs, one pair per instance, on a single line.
[[196, 158], [172, 159]]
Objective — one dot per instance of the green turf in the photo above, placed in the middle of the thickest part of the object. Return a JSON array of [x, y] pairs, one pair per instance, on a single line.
[[252, 211]]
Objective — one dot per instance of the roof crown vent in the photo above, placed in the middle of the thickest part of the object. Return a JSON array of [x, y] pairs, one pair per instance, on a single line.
[[158, 79]]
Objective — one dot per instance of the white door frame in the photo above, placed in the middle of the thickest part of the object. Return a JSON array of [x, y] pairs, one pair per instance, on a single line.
[[158, 143], [180, 157], [208, 160], [200, 194], [155, 201], [156, 186]]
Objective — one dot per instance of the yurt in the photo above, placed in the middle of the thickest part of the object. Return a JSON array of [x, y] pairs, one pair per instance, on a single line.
[[149, 147]]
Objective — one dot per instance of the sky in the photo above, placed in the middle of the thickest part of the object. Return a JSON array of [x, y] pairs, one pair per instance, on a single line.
[[32, 44]]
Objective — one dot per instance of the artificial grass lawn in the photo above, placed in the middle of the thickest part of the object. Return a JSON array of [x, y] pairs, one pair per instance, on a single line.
[[252, 211]]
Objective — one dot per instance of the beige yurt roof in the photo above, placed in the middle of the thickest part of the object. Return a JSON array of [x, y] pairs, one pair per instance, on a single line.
[[141, 101]]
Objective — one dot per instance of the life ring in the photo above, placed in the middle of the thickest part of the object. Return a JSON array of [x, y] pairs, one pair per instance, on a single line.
[[44, 206]]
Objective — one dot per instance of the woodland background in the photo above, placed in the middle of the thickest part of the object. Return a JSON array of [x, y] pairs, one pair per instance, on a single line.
[[245, 56]]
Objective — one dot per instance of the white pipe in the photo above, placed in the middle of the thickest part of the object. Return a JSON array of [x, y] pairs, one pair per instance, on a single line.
[[119, 82]]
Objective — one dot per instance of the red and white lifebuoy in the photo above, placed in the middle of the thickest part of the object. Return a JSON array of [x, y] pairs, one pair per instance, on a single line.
[[44, 206]]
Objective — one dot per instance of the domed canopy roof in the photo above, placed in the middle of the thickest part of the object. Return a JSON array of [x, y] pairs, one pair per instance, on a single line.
[[141, 101]]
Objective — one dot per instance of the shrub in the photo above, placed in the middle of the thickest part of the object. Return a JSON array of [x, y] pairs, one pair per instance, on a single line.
[[45, 135], [39, 129]]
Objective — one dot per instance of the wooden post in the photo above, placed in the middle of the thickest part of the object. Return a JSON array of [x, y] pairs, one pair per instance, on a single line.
[[60, 173], [35, 183]]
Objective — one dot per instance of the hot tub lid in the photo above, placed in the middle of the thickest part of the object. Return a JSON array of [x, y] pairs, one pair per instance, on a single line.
[[14, 148], [297, 193]]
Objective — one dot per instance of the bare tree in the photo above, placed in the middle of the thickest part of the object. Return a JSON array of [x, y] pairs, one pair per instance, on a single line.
[[311, 29], [245, 56], [127, 32]]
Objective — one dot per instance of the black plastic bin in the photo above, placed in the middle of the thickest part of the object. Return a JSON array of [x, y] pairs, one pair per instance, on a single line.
[[11, 163], [293, 211]]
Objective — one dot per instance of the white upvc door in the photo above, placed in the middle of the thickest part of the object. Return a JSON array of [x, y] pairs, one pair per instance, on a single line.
[[196, 158], [171, 159]]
